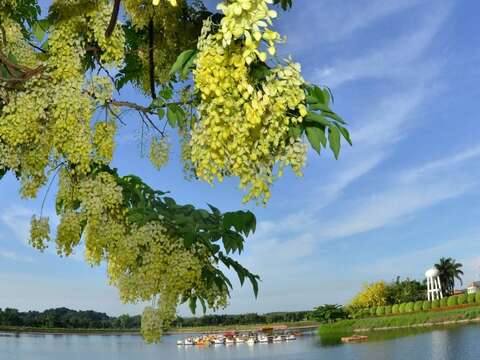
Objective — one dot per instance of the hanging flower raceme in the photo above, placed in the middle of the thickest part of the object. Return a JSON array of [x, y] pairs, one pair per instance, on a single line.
[[244, 125]]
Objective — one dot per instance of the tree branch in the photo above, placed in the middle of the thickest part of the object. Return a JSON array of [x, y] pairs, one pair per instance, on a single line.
[[23, 72], [151, 63], [142, 110], [113, 19]]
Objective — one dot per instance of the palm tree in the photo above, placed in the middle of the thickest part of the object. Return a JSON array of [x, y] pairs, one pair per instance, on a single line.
[[448, 271]]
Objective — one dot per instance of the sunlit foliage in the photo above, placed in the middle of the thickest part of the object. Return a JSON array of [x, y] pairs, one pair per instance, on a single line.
[[213, 77]]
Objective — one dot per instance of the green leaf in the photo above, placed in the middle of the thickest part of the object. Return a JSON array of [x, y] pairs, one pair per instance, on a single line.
[[317, 118], [192, 304], [285, 4], [345, 134], [316, 137], [4, 72], [295, 131], [40, 28], [157, 103], [204, 306], [259, 71], [334, 140], [333, 116], [188, 66], [184, 59], [188, 239], [166, 93], [160, 113], [254, 281], [3, 171], [171, 117], [45, 45], [215, 211]]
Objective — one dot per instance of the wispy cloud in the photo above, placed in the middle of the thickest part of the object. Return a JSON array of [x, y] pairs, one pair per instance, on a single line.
[[392, 205], [445, 164], [17, 220], [394, 60], [11, 255], [328, 21], [387, 121], [407, 192], [397, 197]]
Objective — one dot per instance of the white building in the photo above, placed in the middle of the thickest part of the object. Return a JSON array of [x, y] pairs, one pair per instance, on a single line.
[[473, 287]]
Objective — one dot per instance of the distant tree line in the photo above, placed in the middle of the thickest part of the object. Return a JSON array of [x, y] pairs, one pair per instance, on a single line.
[[68, 319], [243, 319], [72, 319]]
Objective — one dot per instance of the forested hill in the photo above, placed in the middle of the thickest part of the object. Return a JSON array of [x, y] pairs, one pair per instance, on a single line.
[[73, 319]]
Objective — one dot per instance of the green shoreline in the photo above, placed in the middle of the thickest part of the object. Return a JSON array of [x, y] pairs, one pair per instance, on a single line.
[[294, 326], [405, 321]]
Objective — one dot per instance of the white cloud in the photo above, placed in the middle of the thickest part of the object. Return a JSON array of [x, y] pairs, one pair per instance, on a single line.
[[394, 60], [17, 220], [385, 122], [11, 255], [440, 165], [332, 21], [410, 190], [392, 205]]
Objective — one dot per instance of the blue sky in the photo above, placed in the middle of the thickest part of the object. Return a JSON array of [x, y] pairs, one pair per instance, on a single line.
[[405, 75]]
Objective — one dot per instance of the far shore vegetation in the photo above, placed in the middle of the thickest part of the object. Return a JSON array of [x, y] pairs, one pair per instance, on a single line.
[[63, 320], [448, 316], [402, 304]]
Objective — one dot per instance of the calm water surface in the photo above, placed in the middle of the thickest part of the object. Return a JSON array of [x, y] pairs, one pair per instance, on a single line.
[[442, 344]]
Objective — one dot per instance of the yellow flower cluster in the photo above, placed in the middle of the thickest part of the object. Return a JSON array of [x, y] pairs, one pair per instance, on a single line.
[[102, 204], [144, 262], [159, 152], [150, 262], [103, 141], [49, 119], [113, 47], [248, 20], [151, 327], [39, 232], [172, 2], [69, 232], [16, 44], [186, 157], [244, 127]]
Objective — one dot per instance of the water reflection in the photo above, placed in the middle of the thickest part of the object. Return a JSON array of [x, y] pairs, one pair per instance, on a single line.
[[419, 344]]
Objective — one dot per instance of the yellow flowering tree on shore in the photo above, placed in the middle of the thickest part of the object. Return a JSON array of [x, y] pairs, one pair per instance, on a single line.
[[374, 294], [213, 78]]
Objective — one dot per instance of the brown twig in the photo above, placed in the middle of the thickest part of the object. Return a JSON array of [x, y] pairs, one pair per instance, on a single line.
[[19, 72], [144, 112], [113, 19], [37, 47], [151, 63]]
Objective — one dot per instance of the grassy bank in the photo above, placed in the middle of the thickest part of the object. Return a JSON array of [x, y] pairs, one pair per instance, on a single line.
[[301, 325], [421, 319]]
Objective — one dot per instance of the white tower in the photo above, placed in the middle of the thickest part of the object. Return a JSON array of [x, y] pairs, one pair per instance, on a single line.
[[434, 288]]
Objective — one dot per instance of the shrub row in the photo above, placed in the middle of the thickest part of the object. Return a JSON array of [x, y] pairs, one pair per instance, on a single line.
[[418, 306]]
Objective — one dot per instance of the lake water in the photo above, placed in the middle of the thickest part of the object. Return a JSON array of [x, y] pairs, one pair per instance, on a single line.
[[459, 343]]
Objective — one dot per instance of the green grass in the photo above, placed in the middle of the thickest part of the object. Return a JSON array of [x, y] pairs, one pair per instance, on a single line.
[[396, 321]]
